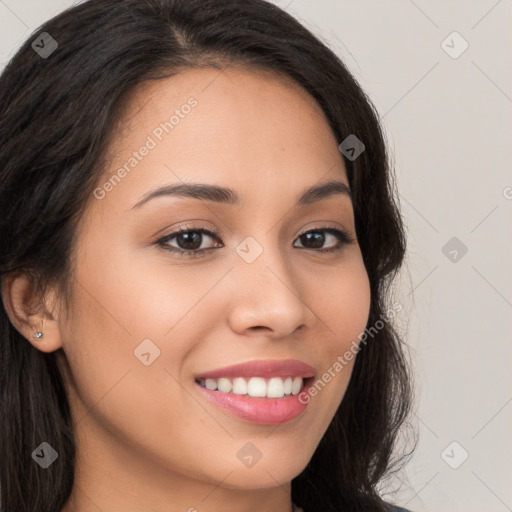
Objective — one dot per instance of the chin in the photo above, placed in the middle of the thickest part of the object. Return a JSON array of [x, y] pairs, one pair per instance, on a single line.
[[273, 472]]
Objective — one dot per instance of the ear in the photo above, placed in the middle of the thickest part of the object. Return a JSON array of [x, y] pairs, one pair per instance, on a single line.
[[30, 313]]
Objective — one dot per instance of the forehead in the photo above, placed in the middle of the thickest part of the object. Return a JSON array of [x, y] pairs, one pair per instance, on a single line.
[[249, 129]]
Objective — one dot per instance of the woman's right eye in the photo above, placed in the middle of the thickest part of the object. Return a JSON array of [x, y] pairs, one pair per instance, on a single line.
[[189, 241]]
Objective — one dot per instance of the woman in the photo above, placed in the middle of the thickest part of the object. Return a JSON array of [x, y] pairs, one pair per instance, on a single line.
[[198, 229]]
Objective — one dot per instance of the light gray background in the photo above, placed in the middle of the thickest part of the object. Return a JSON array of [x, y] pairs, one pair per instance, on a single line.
[[449, 125]]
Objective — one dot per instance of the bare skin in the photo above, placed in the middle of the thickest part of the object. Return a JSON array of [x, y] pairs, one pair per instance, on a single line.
[[147, 440]]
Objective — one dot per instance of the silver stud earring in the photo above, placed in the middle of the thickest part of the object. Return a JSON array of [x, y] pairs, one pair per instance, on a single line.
[[38, 335]]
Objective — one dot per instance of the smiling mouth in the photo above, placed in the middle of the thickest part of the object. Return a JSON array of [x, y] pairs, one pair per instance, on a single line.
[[256, 387]]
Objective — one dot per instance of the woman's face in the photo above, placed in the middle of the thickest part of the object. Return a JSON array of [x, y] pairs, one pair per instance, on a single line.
[[147, 319]]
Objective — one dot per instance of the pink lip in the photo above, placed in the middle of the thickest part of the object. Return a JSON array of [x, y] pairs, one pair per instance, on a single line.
[[262, 368], [264, 411]]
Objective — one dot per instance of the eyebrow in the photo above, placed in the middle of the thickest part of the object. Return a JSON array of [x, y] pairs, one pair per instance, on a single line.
[[228, 196]]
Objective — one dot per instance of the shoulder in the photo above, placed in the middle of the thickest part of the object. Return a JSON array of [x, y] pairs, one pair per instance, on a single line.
[[400, 509]]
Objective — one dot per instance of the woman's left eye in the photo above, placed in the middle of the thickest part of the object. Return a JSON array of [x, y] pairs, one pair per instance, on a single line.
[[317, 238], [189, 240]]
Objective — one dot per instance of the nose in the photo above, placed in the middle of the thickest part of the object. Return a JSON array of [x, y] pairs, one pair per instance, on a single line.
[[267, 296]]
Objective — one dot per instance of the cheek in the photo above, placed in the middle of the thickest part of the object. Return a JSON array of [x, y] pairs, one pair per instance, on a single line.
[[108, 318], [131, 295], [344, 306], [97, 346], [112, 390]]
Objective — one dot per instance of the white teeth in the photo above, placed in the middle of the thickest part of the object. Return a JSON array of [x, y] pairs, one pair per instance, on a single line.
[[257, 387], [288, 386], [239, 386], [274, 387], [210, 384], [224, 385], [296, 385]]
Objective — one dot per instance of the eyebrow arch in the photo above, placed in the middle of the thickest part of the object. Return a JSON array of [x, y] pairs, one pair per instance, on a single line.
[[228, 196]]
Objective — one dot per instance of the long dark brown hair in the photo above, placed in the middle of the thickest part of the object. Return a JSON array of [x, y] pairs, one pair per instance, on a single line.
[[56, 116]]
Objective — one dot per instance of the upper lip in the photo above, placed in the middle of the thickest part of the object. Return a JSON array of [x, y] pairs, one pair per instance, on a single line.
[[262, 368]]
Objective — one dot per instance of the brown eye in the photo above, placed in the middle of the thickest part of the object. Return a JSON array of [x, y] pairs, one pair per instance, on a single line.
[[188, 241], [316, 238]]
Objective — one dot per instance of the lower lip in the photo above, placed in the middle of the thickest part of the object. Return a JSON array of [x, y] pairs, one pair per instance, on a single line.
[[265, 411]]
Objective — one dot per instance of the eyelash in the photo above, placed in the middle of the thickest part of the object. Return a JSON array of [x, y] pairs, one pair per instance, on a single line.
[[344, 238]]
